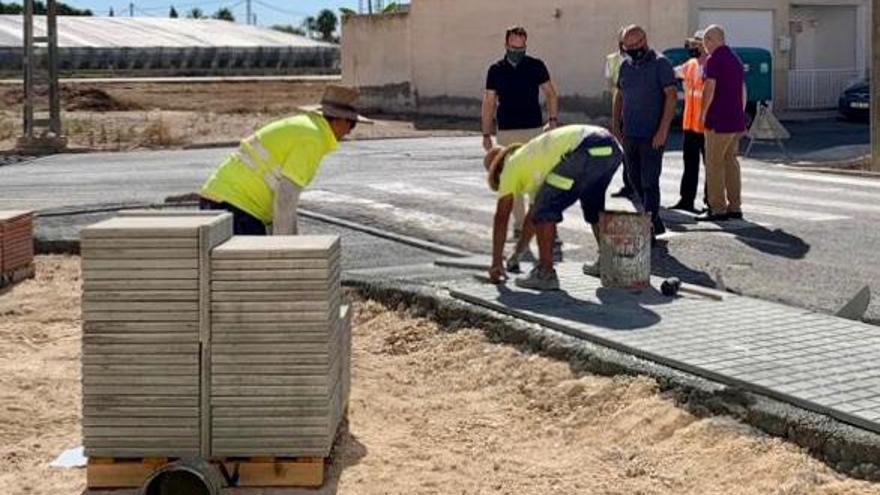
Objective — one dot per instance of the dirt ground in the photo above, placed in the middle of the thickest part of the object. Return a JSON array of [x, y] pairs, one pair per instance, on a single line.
[[126, 116], [431, 412]]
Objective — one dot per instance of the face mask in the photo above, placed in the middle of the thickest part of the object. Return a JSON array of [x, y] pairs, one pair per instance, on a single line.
[[637, 54], [516, 55], [694, 53]]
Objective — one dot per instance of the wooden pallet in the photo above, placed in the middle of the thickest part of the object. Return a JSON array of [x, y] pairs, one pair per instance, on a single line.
[[17, 275], [302, 472]]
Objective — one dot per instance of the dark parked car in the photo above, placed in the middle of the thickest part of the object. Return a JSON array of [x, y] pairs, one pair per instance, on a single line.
[[855, 102]]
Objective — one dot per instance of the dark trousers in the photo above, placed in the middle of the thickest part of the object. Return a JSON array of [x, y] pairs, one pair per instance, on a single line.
[[627, 183], [243, 223], [694, 149], [645, 164]]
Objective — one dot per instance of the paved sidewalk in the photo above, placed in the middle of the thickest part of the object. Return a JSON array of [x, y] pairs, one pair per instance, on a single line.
[[822, 363]]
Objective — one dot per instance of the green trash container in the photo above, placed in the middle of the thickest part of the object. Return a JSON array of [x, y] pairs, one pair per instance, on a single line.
[[758, 63]]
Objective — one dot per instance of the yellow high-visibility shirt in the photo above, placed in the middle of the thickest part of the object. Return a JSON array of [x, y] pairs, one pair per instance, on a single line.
[[292, 148], [526, 168]]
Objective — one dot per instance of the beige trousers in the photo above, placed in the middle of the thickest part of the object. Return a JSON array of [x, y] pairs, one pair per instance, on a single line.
[[521, 136], [722, 172]]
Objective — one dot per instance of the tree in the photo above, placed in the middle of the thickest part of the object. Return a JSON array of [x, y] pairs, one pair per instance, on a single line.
[[289, 29], [173, 13], [310, 25], [224, 14], [326, 24], [40, 9], [196, 13], [10, 8]]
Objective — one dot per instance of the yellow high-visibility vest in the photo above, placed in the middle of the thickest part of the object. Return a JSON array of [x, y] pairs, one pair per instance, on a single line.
[[612, 68], [291, 148]]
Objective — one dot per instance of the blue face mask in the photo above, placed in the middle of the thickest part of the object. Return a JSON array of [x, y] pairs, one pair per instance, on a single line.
[[516, 55]]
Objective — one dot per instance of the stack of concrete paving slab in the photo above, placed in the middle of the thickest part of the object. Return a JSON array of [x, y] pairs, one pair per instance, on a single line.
[[16, 246], [145, 323], [280, 346]]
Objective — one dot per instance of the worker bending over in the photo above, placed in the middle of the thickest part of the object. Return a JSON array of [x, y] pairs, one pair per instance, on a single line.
[[261, 182], [558, 168]]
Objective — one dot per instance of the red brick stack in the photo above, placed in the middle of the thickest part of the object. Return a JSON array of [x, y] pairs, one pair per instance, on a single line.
[[16, 246]]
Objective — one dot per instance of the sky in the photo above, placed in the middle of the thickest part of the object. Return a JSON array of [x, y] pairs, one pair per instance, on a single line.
[[268, 12]]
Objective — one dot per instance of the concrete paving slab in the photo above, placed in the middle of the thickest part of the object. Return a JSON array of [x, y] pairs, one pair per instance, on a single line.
[[748, 343], [277, 247]]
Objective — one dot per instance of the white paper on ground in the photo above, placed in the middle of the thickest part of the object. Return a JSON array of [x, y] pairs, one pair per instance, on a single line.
[[73, 458]]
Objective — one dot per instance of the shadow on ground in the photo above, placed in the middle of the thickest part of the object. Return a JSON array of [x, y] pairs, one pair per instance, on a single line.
[[775, 242], [615, 309]]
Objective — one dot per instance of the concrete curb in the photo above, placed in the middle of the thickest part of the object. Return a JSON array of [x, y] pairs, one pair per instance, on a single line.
[[71, 246], [403, 239], [843, 447]]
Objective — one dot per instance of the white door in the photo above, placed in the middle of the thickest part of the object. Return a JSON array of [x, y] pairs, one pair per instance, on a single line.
[[744, 28]]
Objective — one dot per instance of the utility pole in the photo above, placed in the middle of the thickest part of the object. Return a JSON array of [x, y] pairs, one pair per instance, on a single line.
[[370, 6], [41, 134], [249, 16], [875, 85], [131, 9]]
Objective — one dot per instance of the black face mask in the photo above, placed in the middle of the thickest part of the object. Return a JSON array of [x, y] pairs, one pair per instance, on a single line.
[[694, 53], [637, 54]]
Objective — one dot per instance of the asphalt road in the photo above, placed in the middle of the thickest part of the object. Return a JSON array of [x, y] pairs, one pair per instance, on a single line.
[[809, 240], [360, 251]]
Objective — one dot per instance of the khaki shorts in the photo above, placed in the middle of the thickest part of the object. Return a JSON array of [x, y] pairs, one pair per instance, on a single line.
[[521, 136]]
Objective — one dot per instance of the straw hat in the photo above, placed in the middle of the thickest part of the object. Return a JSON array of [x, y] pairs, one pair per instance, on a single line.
[[493, 160], [338, 102]]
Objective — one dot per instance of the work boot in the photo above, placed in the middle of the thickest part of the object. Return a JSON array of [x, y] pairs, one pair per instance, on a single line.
[[591, 269], [539, 279]]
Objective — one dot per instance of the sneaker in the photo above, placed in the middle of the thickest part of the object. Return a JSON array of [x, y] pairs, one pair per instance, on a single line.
[[538, 279], [713, 217], [622, 193], [735, 215], [591, 269]]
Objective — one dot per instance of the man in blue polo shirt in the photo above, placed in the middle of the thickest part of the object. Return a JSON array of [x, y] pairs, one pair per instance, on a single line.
[[645, 103]]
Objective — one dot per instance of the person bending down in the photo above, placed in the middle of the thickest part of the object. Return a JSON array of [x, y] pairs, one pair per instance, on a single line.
[[558, 168], [261, 182]]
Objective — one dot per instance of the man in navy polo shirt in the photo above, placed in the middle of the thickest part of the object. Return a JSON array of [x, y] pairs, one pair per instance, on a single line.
[[513, 85], [645, 103]]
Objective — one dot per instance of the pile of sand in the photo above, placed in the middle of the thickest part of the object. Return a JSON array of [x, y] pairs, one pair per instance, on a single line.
[[431, 412], [74, 98]]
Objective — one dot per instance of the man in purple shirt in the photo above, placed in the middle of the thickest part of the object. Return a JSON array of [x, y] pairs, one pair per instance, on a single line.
[[724, 117]]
